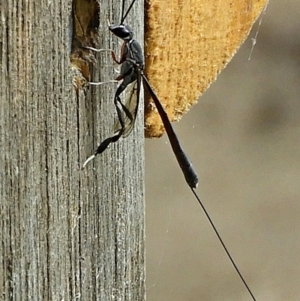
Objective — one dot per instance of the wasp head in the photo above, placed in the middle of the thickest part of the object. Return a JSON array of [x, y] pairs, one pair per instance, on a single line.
[[122, 31]]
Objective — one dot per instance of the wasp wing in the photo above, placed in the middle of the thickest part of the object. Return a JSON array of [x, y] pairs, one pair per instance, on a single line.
[[132, 100]]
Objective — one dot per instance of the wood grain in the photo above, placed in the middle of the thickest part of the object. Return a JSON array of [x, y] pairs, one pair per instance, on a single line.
[[66, 234]]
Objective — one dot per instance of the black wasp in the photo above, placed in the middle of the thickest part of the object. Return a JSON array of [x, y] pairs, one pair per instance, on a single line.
[[131, 74]]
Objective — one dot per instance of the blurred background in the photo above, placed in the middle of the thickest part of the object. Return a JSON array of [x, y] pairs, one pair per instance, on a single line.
[[243, 138]]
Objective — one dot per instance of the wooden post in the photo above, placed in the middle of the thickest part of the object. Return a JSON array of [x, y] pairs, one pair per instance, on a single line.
[[66, 233]]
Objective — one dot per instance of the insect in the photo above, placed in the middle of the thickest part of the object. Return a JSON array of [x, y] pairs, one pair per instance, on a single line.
[[132, 74], [132, 65]]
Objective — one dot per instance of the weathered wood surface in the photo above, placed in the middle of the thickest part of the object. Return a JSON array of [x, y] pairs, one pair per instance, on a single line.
[[66, 233]]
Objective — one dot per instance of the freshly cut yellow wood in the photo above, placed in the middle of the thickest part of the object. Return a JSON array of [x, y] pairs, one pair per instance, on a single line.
[[187, 44]]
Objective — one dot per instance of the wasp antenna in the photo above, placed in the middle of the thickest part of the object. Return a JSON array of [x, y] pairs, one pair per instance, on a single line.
[[128, 10], [122, 11]]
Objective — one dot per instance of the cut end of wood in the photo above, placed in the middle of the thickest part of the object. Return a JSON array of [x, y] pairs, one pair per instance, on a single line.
[[187, 44]]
